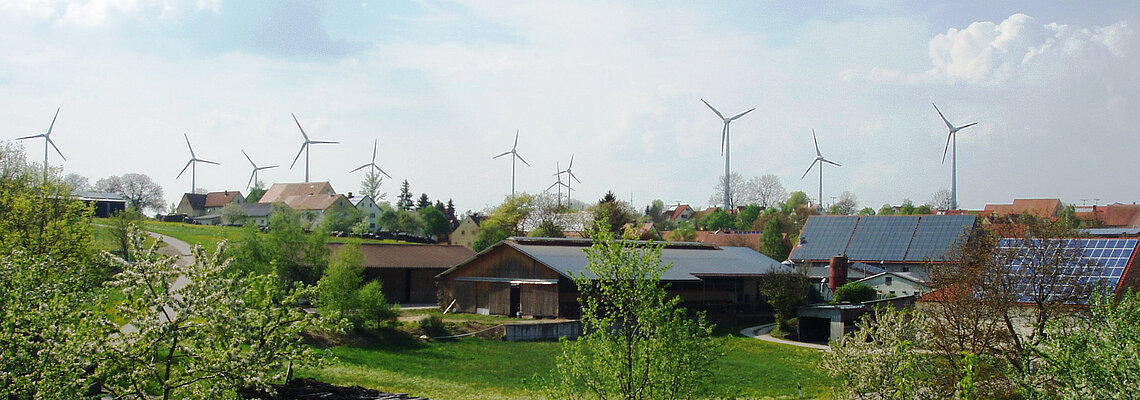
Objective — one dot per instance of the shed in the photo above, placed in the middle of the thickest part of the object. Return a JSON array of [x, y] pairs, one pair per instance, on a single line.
[[533, 277], [408, 270], [106, 204]]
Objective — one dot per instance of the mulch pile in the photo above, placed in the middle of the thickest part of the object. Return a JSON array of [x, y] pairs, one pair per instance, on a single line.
[[306, 389]]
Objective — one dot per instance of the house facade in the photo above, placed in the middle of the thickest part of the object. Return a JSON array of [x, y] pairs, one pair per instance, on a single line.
[[533, 277], [895, 284], [465, 233], [198, 205], [370, 209]]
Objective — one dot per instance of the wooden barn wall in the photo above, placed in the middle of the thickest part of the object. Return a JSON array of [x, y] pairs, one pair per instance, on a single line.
[[502, 262], [539, 300]]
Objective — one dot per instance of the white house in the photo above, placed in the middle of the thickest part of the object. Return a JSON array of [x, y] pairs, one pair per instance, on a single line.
[[370, 208], [895, 284]]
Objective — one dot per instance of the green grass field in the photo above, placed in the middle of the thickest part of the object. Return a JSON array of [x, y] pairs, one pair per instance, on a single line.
[[493, 369], [209, 236]]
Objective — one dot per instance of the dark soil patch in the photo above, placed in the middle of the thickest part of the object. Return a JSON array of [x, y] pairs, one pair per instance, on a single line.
[[305, 388]]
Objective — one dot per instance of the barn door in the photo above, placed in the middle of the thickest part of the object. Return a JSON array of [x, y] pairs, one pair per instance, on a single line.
[[516, 300]]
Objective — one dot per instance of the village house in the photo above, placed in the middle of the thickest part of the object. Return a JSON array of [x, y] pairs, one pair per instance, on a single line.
[[370, 209], [197, 204], [465, 233], [533, 277]]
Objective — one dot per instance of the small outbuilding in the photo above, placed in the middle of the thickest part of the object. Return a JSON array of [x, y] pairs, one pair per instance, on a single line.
[[533, 277], [105, 204], [408, 270]]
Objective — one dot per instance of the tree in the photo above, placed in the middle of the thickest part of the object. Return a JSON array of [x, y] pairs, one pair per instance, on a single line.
[[612, 213], [233, 214], [207, 339], [886, 209], [76, 182], [767, 191], [940, 200], [547, 228], [773, 240], [286, 250], [907, 207], [848, 204], [423, 202], [409, 222], [684, 233], [854, 292], [747, 217], [342, 217], [735, 194], [449, 212], [121, 224], [795, 200], [1093, 356], [639, 343], [867, 211], [139, 190], [720, 220], [656, 211], [785, 292], [405, 201], [256, 192], [370, 186], [343, 293], [489, 235], [435, 223], [884, 358], [387, 220]]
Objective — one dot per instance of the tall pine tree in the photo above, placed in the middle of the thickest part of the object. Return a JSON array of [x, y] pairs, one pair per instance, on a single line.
[[405, 201]]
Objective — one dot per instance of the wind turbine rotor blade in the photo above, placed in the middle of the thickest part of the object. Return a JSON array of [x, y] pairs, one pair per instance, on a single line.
[[813, 138], [516, 145], [947, 148], [500, 155], [250, 159], [741, 114], [551, 186], [723, 137], [571, 165], [299, 127], [713, 109], [207, 162], [521, 159], [56, 148], [966, 126], [271, 166], [382, 172], [250, 183], [948, 125], [298, 154], [573, 176], [188, 145], [373, 150], [322, 142], [359, 168], [809, 168], [184, 168], [31, 137], [52, 122], [830, 162]]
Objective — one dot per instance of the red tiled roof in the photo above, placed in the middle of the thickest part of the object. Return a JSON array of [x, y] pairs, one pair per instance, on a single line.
[[220, 199], [281, 191], [1044, 208], [1121, 215]]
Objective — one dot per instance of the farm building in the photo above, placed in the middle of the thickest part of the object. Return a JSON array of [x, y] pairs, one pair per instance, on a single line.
[[905, 243], [408, 270], [533, 277], [105, 204]]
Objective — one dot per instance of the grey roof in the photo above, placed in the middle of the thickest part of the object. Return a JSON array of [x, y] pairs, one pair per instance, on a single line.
[[356, 200], [1111, 231], [855, 270], [881, 238], [256, 209], [98, 196], [690, 261]]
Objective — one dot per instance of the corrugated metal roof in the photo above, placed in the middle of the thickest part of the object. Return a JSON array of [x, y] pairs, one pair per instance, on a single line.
[[97, 196], [689, 262]]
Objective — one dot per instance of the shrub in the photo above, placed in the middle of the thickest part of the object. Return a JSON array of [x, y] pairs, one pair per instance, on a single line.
[[854, 292]]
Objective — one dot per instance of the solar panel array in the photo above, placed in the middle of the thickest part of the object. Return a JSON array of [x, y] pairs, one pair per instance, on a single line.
[[884, 238], [881, 238], [824, 237], [936, 236], [1100, 262]]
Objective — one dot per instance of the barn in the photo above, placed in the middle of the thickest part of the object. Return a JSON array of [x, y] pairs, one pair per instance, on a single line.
[[408, 270], [533, 277]]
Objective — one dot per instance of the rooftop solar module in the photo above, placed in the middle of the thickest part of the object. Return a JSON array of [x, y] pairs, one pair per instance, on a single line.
[[936, 236], [824, 237], [883, 238], [1102, 261]]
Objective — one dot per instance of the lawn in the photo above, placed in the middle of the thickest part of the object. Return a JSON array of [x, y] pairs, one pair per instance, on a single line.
[[493, 369], [209, 235]]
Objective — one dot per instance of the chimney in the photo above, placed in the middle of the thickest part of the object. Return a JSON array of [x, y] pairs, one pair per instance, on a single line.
[[838, 272], [350, 195]]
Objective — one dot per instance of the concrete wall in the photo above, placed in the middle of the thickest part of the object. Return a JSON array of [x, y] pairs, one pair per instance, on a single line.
[[551, 331]]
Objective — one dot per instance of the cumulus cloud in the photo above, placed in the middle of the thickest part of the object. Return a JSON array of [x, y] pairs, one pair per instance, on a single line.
[[1024, 49]]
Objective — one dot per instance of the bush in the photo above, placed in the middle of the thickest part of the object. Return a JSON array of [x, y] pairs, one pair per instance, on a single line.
[[432, 325], [373, 306], [854, 292]]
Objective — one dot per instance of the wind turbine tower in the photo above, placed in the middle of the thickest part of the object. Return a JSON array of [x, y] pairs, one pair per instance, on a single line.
[[724, 149], [952, 137], [820, 160], [305, 147], [569, 171], [47, 141], [514, 155], [559, 184], [193, 165], [253, 176], [373, 163]]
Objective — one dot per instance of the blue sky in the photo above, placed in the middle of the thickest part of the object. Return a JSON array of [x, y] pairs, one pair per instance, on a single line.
[[444, 85]]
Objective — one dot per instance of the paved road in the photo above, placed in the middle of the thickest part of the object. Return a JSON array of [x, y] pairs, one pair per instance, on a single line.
[[178, 249], [761, 332]]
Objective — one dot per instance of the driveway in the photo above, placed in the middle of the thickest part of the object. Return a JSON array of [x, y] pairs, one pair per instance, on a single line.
[[761, 332]]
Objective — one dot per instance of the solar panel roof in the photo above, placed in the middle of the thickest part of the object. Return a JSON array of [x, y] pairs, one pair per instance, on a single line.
[[884, 238], [936, 236], [824, 237], [1102, 261]]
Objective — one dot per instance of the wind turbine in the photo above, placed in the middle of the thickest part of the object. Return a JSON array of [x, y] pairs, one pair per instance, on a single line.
[[514, 155], [569, 171], [373, 163], [818, 159], [559, 184], [192, 164], [305, 147], [47, 141], [952, 137], [724, 149], [253, 176]]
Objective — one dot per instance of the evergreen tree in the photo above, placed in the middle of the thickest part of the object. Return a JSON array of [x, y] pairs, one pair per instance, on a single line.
[[405, 201], [370, 186]]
